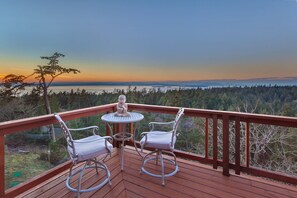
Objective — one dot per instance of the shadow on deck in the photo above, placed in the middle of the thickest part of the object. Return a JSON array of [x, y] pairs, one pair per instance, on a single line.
[[193, 180]]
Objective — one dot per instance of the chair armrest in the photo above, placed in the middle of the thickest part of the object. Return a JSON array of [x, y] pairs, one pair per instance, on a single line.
[[86, 128], [152, 124], [162, 123], [154, 132]]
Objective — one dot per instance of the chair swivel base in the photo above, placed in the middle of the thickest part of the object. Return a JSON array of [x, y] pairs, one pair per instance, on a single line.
[[155, 158], [80, 171]]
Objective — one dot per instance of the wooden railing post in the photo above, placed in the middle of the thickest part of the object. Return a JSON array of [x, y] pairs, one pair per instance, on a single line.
[[2, 166], [247, 144], [107, 127], [215, 141], [131, 130], [206, 138], [226, 145], [116, 129], [237, 146], [120, 128]]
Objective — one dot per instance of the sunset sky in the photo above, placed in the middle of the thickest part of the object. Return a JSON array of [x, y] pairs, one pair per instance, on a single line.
[[151, 40]]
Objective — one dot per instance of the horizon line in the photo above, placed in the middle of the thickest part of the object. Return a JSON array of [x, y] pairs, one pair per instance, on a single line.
[[164, 81]]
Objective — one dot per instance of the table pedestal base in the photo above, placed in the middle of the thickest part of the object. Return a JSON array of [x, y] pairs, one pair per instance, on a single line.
[[122, 137]]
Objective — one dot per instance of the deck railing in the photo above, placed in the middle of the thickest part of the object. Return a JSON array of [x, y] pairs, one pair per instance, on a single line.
[[15, 126], [224, 117]]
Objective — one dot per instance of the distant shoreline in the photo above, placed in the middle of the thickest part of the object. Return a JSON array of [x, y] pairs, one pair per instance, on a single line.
[[100, 87], [194, 84]]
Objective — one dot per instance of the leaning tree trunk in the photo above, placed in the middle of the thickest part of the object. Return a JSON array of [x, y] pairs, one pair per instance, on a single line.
[[48, 111]]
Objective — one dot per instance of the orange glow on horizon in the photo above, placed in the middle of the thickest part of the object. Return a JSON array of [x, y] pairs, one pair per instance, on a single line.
[[91, 72]]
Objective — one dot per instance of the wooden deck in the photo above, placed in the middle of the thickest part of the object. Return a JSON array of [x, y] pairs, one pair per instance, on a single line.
[[193, 180]]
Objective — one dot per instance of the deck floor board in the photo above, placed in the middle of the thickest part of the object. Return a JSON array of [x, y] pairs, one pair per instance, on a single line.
[[193, 180], [131, 194]]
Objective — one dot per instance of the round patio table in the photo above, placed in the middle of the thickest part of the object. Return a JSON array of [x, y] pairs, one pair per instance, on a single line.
[[123, 136]]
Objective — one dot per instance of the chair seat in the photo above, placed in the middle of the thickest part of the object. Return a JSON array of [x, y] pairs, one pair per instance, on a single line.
[[158, 140], [91, 149]]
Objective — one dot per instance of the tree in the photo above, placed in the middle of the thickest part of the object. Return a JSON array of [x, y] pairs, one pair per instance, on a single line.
[[44, 74], [12, 85]]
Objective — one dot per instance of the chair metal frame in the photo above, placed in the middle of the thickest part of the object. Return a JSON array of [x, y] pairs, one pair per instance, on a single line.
[[159, 151], [88, 162]]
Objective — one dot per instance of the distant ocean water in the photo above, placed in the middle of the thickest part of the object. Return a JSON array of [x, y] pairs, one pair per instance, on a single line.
[[99, 87]]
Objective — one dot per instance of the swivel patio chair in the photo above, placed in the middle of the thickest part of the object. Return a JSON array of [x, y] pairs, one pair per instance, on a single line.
[[86, 150], [162, 142]]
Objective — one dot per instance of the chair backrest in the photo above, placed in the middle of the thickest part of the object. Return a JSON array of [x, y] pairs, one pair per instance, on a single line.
[[177, 120], [68, 137]]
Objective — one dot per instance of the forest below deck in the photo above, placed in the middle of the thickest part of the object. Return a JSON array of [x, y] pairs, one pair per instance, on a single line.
[[274, 100], [272, 148]]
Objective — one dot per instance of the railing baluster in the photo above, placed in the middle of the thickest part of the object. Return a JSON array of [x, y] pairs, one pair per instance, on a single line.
[[215, 141], [206, 138], [237, 146], [226, 145], [2, 166], [247, 144]]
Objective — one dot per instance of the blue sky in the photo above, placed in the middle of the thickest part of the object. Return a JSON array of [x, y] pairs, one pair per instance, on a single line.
[[152, 39]]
